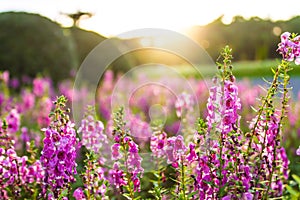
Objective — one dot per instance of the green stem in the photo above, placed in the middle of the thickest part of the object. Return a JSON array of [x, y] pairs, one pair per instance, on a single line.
[[183, 179], [282, 115], [221, 134], [270, 94], [128, 175], [88, 182], [260, 155]]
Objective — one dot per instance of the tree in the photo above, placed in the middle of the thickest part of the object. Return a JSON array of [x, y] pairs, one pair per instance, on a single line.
[[76, 17]]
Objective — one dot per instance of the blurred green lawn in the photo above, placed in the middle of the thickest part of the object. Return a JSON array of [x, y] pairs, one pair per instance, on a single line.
[[241, 69]]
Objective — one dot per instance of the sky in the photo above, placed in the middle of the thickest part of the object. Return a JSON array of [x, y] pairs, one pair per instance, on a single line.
[[113, 17]]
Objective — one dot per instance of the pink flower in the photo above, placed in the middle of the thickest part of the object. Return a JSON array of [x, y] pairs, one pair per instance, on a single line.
[[115, 151], [118, 176], [136, 184], [78, 194], [183, 104], [192, 156], [298, 151], [13, 121], [289, 48], [93, 137]]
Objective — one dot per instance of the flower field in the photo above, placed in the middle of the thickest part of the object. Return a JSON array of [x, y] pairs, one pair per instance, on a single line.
[[228, 140]]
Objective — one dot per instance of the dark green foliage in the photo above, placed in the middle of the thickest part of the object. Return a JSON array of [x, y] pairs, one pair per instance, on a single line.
[[86, 41], [32, 44], [252, 39]]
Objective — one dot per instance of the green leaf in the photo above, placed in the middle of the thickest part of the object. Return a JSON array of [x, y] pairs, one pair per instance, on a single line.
[[296, 178], [254, 109], [127, 196], [255, 139], [192, 194], [64, 193], [292, 191]]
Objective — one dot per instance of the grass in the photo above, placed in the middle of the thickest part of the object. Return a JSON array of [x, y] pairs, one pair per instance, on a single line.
[[240, 69]]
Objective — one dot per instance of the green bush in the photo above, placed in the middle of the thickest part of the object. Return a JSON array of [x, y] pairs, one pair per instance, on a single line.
[[32, 44]]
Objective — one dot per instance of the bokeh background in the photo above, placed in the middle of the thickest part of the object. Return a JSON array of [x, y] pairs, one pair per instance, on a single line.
[[53, 37]]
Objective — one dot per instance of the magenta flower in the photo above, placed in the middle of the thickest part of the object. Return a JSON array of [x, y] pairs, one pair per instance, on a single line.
[[192, 156], [28, 100], [40, 86], [58, 155], [175, 150], [93, 137], [157, 144], [4, 77], [298, 151], [117, 176], [134, 160], [59, 152], [183, 104], [289, 47], [78, 194], [14, 170], [13, 121], [130, 161], [115, 151], [136, 184]]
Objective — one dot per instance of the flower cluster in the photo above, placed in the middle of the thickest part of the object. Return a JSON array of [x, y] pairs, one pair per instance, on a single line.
[[94, 180], [93, 137], [175, 150], [78, 194], [222, 106], [157, 144], [132, 163], [125, 147], [215, 167], [15, 172], [139, 129], [270, 154], [59, 152], [41, 86], [289, 47], [183, 104], [13, 121]]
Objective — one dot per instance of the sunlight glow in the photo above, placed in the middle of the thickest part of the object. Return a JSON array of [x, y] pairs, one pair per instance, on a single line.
[[114, 17]]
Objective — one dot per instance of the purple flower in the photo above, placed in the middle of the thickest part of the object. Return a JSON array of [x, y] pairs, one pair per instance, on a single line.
[[157, 144], [183, 104], [289, 48], [115, 148], [298, 151], [5, 77], [175, 150], [136, 184], [227, 197], [93, 137], [192, 156], [78, 194], [59, 152], [13, 121], [117, 176], [248, 196], [28, 100], [40, 86], [138, 128]]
